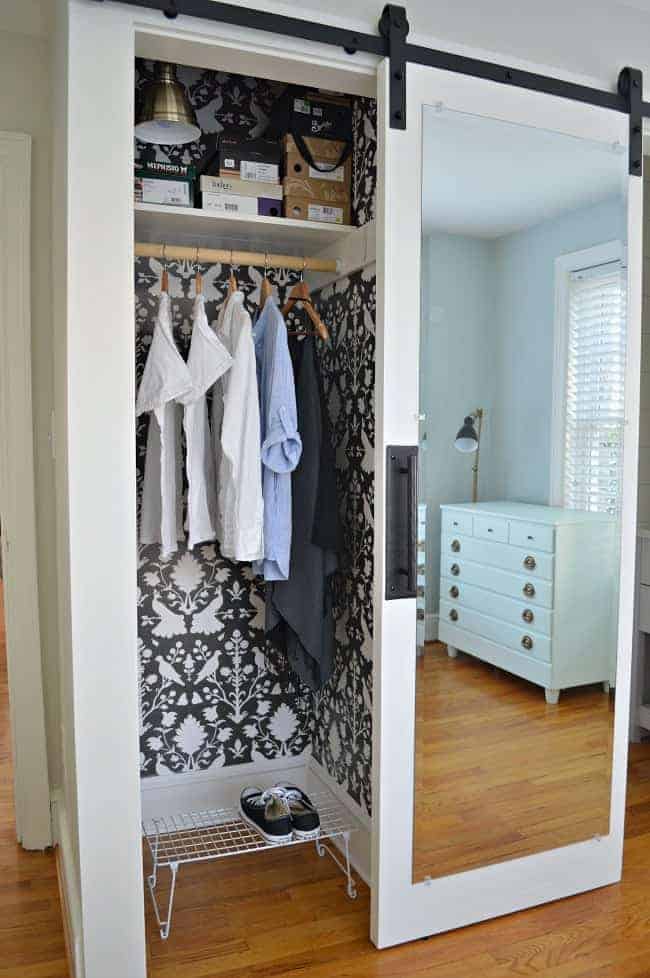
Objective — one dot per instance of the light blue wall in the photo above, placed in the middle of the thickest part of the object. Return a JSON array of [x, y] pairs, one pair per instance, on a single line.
[[525, 300], [487, 341], [457, 368]]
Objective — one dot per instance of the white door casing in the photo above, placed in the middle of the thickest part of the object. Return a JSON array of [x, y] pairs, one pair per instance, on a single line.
[[401, 910], [17, 507]]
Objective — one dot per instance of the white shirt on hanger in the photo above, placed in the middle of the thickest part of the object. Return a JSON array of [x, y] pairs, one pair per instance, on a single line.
[[207, 361], [236, 434], [166, 378]]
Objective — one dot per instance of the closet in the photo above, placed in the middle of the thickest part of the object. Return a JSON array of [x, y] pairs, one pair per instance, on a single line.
[[433, 772], [221, 707]]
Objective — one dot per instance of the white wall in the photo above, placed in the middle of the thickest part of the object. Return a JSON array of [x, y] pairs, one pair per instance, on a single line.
[[25, 106]]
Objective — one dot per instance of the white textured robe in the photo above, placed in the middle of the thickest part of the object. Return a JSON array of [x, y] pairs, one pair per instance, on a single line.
[[236, 435], [165, 380], [208, 360]]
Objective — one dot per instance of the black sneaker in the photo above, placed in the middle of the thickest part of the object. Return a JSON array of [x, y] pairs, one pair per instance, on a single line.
[[305, 820], [267, 812]]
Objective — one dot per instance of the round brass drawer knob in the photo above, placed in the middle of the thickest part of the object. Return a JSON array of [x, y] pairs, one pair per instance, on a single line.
[[455, 570], [453, 614], [454, 591], [527, 615], [527, 642], [455, 546], [529, 590], [530, 563]]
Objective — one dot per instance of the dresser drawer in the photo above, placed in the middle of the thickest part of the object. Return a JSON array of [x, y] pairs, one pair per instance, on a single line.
[[533, 592], [529, 562], [534, 535], [491, 528], [518, 639], [465, 595], [456, 522]]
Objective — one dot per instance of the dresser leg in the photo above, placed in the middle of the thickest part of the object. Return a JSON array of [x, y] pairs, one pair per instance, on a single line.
[[605, 687], [552, 696], [452, 651]]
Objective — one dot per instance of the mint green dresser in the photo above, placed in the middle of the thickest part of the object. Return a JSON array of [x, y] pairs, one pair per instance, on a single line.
[[532, 590]]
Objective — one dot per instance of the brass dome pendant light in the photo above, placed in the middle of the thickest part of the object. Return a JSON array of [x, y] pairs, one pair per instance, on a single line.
[[164, 114]]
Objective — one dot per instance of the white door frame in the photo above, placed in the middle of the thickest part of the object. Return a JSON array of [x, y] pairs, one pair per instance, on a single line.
[[402, 910], [17, 507]]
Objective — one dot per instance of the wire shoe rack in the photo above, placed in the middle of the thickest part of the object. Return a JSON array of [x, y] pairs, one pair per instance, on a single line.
[[193, 837]]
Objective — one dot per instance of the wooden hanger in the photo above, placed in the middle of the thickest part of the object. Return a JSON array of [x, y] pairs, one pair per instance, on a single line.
[[266, 289], [232, 280], [300, 295], [198, 278], [164, 279]]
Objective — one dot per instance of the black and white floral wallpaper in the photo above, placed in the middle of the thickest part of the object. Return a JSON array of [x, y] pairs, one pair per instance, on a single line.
[[364, 160], [213, 693], [342, 711]]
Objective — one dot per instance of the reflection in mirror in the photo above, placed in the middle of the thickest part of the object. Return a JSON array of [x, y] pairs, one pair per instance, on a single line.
[[522, 369]]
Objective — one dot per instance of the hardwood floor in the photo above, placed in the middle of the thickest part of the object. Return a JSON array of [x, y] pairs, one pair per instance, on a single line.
[[286, 915], [31, 929], [499, 773]]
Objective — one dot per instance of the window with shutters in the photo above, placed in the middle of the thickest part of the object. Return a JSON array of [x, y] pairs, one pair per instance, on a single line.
[[589, 380]]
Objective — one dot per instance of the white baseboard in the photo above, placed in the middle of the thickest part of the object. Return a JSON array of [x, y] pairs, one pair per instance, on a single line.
[[431, 627], [361, 838], [172, 794], [68, 885]]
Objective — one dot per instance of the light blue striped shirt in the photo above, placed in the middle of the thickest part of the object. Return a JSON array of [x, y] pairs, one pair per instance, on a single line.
[[281, 444]]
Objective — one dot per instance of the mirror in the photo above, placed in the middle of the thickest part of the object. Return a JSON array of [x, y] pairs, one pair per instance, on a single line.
[[522, 375]]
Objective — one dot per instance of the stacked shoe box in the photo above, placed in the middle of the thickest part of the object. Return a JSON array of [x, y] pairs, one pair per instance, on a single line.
[[321, 192], [246, 181], [317, 159]]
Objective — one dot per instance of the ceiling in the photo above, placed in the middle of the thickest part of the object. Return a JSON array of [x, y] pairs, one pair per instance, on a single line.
[[588, 38], [487, 178]]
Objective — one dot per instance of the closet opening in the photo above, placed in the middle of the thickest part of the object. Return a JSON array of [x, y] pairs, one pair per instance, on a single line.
[[255, 678]]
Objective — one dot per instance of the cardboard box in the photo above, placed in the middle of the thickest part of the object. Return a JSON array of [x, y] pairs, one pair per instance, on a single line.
[[229, 204], [269, 207], [161, 169], [174, 193], [306, 209], [320, 114], [245, 188], [164, 183], [303, 180], [251, 159], [240, 205]]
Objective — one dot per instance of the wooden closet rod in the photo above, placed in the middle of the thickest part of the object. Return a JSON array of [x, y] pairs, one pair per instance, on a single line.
[[261, 259]]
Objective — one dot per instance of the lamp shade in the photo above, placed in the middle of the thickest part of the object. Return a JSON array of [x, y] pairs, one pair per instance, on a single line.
[[164, 113], [467, 439]]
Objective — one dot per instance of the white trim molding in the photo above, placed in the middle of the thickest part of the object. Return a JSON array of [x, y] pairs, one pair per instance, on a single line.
[[17, 506], [172, 794], [68, 885]]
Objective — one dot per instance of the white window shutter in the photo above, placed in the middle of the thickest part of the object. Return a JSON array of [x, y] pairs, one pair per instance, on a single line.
[[595, 389]]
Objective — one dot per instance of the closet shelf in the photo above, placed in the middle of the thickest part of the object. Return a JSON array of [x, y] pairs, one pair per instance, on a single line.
[[191, 226], [194, 837]]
